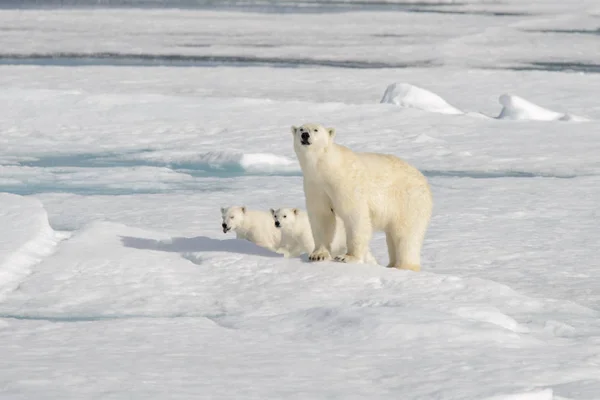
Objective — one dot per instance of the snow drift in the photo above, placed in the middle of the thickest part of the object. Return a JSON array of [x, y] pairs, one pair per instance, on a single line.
[[25, 239], [517, 108], [410, 96]]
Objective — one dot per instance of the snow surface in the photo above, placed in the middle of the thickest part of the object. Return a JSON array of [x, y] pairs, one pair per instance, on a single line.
[[117, 282]]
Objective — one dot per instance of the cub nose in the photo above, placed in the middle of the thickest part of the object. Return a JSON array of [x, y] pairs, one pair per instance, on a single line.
[[277, 224], [305, 136], [224, 225]]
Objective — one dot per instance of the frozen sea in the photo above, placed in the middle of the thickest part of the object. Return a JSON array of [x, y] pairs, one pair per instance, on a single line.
[[126, 124]]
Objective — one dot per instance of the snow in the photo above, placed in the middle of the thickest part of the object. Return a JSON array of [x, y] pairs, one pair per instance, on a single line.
[[26, 239], [513, 107], [407, 95], [517, 108], [116, 280]]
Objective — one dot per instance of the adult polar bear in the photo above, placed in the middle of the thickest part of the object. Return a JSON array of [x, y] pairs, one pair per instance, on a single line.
[[369, 191]]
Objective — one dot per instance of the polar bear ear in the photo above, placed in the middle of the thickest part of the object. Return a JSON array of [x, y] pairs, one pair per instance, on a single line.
[[244, 209], [294, 129], [272, 212], [222, 210], [331, 132], [295, 210]]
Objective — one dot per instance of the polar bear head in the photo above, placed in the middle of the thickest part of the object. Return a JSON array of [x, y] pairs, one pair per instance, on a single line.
[[233, 217], [285, 218], [311, 137]]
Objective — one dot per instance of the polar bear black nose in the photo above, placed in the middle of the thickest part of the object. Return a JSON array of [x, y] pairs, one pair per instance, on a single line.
[[305, 136], [224, 225], [277, 224]]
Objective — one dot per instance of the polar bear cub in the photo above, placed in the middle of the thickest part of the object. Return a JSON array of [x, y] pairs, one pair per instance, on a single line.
[[368, 191], [295, 230], [255, 226], [297, 237]]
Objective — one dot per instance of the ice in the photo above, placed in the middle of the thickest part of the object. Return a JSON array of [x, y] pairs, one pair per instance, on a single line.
[[26, 239], [176, 308], [407, 95], [517, 108], [130, 127]]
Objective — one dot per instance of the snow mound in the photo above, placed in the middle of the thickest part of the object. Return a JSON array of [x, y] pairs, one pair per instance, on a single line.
[[26, 238], [410, 96], [517, 108], [265, 162]]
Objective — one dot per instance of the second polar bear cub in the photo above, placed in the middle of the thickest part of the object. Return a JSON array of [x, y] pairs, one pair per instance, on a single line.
[[297, 237], [368, 191]]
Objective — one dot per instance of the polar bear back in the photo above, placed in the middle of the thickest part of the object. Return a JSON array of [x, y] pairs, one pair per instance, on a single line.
[[379, 178], [259, 228], [389, 169]]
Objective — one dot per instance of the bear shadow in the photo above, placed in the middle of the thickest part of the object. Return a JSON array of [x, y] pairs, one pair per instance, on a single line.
[[198, 244]]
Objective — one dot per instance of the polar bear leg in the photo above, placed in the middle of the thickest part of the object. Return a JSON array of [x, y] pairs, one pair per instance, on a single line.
[[408, 237], [391, 245], [323, 228], [322, 223], [369, 259], [408, 252], [405, 252], [286, 254], [297, 252], [358, 237]]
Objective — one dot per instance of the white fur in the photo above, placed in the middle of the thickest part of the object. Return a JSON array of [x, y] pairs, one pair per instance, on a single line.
[[255, 226], [297, 237], [369, 192]]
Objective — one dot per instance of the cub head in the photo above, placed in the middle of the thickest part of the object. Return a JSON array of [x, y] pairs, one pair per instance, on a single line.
[[309, 137], [285, 217], [232, 217]]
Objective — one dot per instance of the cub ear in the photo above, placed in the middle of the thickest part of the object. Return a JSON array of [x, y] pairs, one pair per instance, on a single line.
[[295, 211], [272, 212], [294, 129], [331, 132], [244, 209]]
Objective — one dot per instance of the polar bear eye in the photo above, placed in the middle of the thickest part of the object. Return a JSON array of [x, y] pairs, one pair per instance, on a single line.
[[285, 216], [231, 217], [316, 130]]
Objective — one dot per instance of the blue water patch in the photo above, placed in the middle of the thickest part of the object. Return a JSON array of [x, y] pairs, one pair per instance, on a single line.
[[95, 318], [214, 175], [202, 172], [102, 190], [554, 66], [493, 174], [262, 6], [178, 60], [207, 169]]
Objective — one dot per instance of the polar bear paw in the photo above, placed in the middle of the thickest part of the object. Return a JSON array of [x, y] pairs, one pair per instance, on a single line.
[[410, 267], [319, 255], [347, 258]]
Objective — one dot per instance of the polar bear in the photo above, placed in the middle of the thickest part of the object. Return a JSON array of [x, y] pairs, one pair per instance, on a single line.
[[296, 233], [369, 191], [252, 225]]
